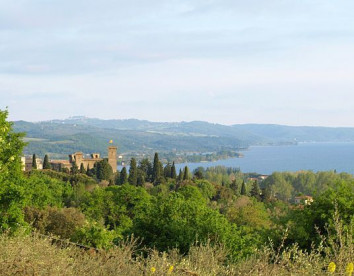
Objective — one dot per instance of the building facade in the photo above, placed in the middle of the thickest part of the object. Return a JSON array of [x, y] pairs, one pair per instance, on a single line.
[[27, 163], [78, 158]]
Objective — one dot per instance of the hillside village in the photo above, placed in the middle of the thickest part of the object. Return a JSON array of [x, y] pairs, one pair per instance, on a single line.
[[87, 162], [77, 158]]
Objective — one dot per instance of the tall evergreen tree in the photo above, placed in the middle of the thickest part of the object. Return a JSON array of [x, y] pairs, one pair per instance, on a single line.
[[89, 171], [234, 186], [74, 168], [255, 191], [156, 173], [167, 170], [180, 175], [243, 188], [123, 176], [186, 173], [104, 170], [46, 164], [117, 178], [146, 169], [133, 172], [198, 173], [173, 171], [34, 162], [82, 168], [161, 171], [141, 178]]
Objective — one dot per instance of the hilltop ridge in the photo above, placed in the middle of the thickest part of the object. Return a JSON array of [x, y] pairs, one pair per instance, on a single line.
[[133, 136]]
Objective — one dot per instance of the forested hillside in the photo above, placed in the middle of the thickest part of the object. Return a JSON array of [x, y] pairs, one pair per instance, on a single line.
[[58, 138], [155, 220]]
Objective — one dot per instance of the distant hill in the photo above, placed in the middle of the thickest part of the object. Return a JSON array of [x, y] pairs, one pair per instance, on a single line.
[[280, 133], [62, 137]]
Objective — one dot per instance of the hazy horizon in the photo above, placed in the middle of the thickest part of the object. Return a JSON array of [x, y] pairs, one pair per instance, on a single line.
[[204, 121], [221, 61]]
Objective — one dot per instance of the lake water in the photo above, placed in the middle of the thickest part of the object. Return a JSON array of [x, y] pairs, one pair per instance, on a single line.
[[304, 156]]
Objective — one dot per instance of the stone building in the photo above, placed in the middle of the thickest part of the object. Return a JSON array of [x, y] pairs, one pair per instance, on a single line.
[[58, 165], [27, 163], [79, 158]]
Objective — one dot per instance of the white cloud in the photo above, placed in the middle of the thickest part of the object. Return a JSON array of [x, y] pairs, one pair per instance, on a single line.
[[224, 61]]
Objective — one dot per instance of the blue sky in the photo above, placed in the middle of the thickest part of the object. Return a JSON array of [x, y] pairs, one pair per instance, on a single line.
[[227, 61]]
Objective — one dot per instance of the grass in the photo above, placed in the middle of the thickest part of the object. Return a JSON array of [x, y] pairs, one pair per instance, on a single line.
[[33, 254]]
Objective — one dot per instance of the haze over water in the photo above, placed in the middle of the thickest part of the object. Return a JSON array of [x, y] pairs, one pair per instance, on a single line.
[[304, 156]]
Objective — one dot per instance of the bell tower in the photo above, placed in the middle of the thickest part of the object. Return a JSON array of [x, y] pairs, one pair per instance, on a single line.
[[112, 157]]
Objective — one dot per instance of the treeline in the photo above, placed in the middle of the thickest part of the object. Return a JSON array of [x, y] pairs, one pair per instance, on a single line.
[[62, 138], [168, 209]]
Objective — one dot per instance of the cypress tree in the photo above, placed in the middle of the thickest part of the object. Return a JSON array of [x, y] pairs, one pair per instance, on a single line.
[[199, 173], [173, 171], [145, 168], [180, 175], [133, 172], [74, 168], [123, 176], [161, 171], [88, 171], [117, 178], [167, 170], [104, 170], [186, 173], [255, 191], [156, 173], [99, 170], [141, 179], [46, 164], [107, 171], [243, 188], [82, 168], [34, 162]]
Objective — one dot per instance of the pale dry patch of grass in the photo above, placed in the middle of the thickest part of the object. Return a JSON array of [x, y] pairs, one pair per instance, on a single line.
[[38, 255]]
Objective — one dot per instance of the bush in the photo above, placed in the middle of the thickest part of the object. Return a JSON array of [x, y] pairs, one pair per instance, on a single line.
[[60, 222]]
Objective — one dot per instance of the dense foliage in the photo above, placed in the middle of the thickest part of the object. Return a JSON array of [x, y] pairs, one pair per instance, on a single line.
[[166, 210]]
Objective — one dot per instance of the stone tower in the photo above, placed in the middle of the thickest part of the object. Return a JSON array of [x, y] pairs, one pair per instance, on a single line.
[[112, 157], [77, 158]]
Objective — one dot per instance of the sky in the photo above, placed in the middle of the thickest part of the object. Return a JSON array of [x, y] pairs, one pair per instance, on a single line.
[[227, 61]]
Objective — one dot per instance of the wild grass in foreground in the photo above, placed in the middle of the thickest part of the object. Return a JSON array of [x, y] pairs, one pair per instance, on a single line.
[[37, 255]]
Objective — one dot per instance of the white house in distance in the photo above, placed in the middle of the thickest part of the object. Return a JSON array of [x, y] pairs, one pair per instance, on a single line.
[[304, 199]]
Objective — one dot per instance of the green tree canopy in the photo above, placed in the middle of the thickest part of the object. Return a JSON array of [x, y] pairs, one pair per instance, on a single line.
[[74, 168], [243, 188], [186, 173], [12, 188], [167, 170], [173, 171], [34, 162], [156, 170], [82, 169], [104, 170], [256, 191], [46, 165], [123, 176], [133, 173]]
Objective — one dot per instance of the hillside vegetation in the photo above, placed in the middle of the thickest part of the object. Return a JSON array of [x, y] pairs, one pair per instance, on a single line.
[[135, 137], [152, 220]]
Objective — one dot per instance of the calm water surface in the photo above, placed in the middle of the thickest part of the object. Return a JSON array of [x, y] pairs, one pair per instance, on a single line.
[[304, 156]]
